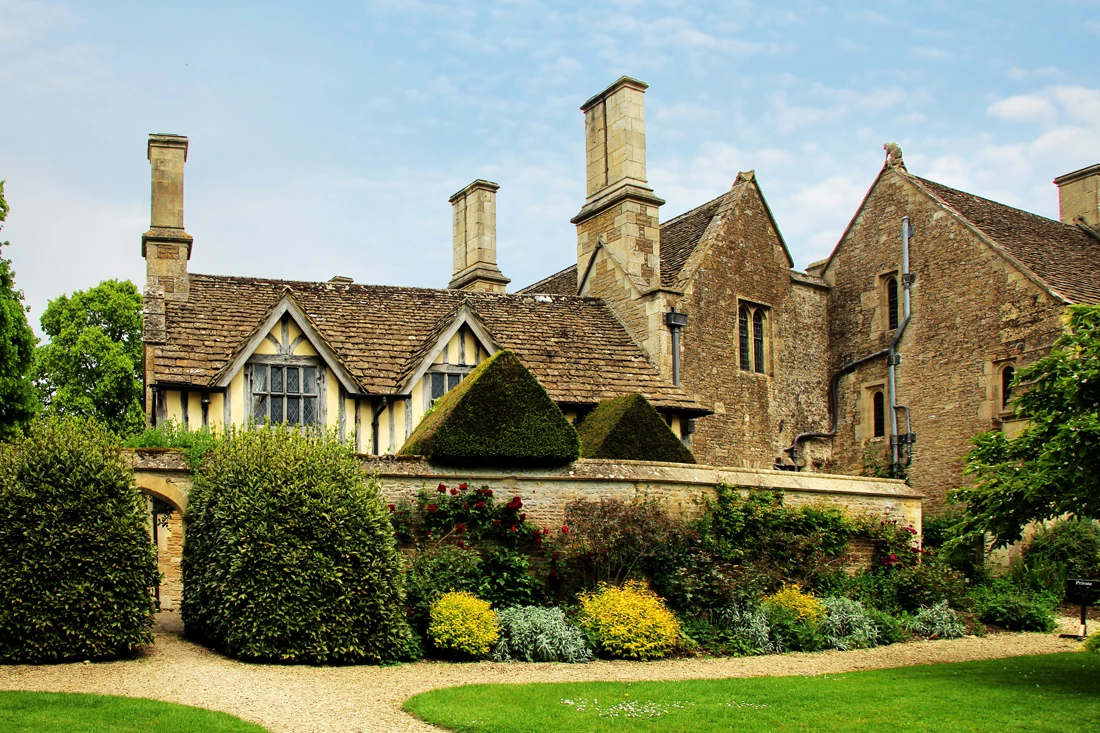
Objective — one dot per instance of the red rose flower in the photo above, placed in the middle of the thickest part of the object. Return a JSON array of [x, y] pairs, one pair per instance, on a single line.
[[496, 522], [442, 488], [513, 528], [454, 492], [523, 517], [392, 507], [461, 544], [462, 487], [431, 508], [553, 573], [488, 492], [565, 529], [479, 505], [554, 556], [478, 492], [460, 528], [538, 540], [466, 506]]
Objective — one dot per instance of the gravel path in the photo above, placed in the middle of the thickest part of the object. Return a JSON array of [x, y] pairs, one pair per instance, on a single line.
[[306, 699]]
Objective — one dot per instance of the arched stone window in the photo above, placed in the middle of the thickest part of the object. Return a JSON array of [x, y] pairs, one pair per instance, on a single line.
[[743, 338], [892, 302], [1007, 374], [878, 411]]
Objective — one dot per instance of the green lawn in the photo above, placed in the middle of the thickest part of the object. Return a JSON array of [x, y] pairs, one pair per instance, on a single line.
[[1057, 692], [38, 712]]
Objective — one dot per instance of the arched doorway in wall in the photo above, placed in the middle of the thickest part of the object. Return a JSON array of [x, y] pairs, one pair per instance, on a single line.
[[165, 503]]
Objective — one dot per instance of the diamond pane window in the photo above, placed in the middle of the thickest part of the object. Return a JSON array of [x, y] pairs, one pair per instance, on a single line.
[[439, 385], [285, 394], [453, 380]]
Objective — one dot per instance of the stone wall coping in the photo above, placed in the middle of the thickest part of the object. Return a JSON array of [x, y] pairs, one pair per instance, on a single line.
[[591, 470]]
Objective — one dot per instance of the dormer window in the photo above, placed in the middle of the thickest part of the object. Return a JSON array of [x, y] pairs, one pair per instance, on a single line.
[[283, 392]]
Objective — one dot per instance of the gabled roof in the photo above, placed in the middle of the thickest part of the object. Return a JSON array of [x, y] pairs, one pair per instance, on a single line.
[[1061, 258], [575, 346], [680, 237], [1064, 256]]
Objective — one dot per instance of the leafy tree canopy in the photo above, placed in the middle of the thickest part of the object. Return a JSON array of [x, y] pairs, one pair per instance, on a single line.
[[1052, 468], [92, 365], [17, 399]]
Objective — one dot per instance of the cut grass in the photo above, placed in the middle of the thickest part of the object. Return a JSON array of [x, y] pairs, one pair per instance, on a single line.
[[36, 712], [1057, 692]]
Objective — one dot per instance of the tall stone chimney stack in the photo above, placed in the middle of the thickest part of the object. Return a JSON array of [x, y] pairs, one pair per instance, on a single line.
[[621, 207], [475, 239], [166, 247], [1079, 196]]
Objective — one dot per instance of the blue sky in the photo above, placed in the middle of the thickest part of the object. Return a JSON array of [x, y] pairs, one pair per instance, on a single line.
[[327, 137]]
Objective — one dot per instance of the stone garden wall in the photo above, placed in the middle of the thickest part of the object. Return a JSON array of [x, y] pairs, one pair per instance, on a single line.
[[545, 492]]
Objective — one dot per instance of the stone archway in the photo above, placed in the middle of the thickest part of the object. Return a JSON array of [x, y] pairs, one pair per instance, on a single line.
[[167, 490]]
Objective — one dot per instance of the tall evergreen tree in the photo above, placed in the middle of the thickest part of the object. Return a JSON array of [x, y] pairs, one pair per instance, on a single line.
[[17, 399], [92, 365]]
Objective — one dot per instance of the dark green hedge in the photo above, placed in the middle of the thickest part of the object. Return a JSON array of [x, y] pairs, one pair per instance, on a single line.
[[77, 563], [290, 555], [628, 427], [498, 416]]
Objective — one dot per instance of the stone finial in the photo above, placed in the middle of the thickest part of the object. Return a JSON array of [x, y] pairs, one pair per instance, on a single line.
[[893, 155], [745, 176]]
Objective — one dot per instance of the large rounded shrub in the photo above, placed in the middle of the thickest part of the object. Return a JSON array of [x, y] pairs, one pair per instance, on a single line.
[[290, 554], [77, 564], [629, 622]]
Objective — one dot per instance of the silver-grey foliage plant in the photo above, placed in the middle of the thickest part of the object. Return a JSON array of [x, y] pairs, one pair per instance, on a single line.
[[750, 623], [533, 634], [939, 622], [846, 625]]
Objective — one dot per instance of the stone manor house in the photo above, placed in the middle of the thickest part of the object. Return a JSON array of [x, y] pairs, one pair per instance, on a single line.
[[893, 352]]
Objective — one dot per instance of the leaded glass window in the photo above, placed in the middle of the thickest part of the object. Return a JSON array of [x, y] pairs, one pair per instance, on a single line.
[[892, 302], [878, 410], [758, 340], [743, 338], [285, 393], [1006, 385], [442, 383]]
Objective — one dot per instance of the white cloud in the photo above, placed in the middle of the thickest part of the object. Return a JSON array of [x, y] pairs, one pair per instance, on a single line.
[[23, 20], [1093, 26], [1024, 108], [929, 53]]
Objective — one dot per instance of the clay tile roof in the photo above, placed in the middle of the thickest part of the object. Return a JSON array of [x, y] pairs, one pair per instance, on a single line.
[[574, 346], [1065, 257]]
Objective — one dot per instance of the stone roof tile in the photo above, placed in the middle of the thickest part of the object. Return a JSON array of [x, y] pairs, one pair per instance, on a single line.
[[573, 345]]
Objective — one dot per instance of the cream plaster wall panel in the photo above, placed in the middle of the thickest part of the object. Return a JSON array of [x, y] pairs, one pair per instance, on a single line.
[[266, 347], [216, 413], [194, 411], [238, 415], [332, 399], [349, 419], [418, 402], [173, 406]]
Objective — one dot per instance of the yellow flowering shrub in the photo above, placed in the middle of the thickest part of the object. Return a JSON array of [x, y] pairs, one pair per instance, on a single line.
[[803, 605], [629, 622], [463, 624]]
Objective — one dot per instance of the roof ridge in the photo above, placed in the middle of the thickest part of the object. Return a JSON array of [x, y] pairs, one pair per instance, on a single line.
[[988, 200]]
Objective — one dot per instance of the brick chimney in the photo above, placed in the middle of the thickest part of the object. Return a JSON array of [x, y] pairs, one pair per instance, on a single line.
[[1079, 196], [166, 247], [621, 207], [475, 239]]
